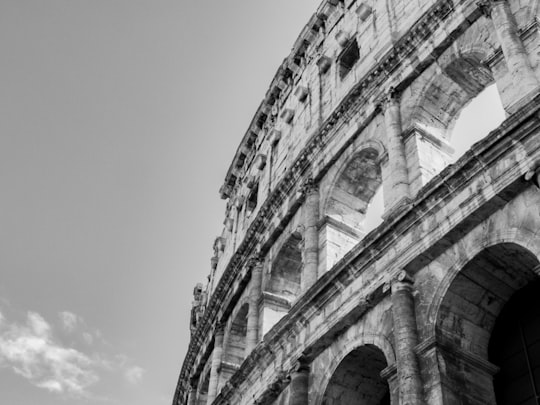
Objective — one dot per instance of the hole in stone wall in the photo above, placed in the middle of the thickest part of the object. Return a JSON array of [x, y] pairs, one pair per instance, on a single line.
[[348, 58], [251, 202]]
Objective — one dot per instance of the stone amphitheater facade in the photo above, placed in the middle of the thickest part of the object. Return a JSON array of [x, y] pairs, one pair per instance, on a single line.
[[310, 303]]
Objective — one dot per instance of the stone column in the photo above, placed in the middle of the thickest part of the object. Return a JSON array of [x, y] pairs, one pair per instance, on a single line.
[[311, 235], [398, 187], [216, 364], [512, 47], [299, 385], [252, 338], [406, 339]]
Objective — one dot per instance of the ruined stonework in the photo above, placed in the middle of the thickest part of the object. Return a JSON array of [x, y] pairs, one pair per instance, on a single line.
[[308, 300]]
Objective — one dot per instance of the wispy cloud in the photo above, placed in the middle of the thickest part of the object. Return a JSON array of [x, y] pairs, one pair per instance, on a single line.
[[134, 374], [69, 320], [33, 351]]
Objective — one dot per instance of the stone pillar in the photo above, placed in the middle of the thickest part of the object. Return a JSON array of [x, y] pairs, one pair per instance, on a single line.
[[216, 364], [299, 385], [252, 337], [311, 235], [406, 339], [512, 47], [397, 191]]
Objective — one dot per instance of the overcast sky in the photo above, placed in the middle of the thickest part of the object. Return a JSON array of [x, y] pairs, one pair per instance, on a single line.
[[119, 119]]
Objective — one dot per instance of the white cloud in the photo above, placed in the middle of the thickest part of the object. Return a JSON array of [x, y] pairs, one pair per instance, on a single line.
[[69, 320], [31, 352], [134, 374]]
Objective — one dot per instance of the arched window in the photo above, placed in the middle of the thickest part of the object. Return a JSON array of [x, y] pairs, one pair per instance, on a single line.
[[350, 212]]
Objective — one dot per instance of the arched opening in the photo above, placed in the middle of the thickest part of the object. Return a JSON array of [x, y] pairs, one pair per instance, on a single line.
[[283, 285], [483, 114], [460, 106], [467, 316], [287, 269], [234, 352], [357, 379], [234, 348], [515, 348], [349, 212]]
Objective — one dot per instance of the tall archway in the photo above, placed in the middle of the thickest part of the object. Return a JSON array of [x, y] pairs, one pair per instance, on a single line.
[[357, 379], [467, 315], [348, 213]]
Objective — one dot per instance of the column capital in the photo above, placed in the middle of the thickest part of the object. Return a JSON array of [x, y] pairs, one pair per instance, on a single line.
[[310, 187], [533, 175], [402, 281], [255, 261], [485, 7], [390, 97], [301, 366]]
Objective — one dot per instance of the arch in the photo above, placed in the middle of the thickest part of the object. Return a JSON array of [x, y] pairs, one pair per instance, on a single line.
[[286, 269], [234, 348], [346, 214], [375, 341], [459, 78], [357, 375], [467, 312], [518, 236]]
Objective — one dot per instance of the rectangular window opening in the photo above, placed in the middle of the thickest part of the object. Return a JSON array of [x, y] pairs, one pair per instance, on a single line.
[[348, 58], [251, 203]]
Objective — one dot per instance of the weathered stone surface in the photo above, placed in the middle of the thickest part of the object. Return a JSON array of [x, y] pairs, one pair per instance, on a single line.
[[323, 293]]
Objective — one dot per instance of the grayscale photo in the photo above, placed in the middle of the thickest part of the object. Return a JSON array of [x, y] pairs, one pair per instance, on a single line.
[[308, 202]]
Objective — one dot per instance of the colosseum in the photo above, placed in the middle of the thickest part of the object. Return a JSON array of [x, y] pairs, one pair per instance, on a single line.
[[309, 299]]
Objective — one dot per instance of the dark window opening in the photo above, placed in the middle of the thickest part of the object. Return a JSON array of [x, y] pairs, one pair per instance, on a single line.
[[348, 58], [251, 203]]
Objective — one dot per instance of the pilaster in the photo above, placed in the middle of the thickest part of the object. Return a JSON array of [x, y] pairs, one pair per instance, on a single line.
[[216, 364], [311, 235], [252, 337]]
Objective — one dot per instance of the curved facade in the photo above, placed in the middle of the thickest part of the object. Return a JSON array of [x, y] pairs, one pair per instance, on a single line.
[[313, 300]]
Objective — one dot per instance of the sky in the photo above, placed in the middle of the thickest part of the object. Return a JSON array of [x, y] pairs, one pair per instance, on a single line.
[[118, 121]]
